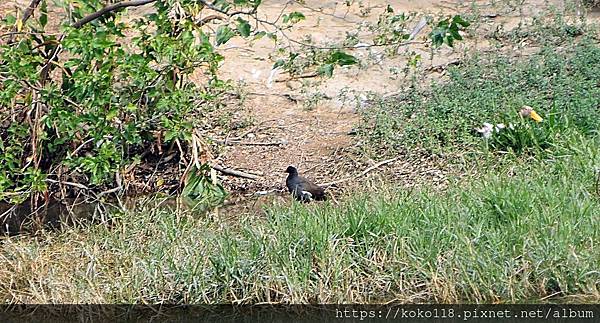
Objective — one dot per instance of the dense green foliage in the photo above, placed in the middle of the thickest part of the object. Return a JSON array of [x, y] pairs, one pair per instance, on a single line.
[[118, 90]]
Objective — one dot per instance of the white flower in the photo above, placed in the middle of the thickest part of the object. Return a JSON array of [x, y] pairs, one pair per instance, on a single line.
[[486, 130]]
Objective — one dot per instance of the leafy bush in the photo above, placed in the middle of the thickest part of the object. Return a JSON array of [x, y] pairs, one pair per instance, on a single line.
[[86, 104]]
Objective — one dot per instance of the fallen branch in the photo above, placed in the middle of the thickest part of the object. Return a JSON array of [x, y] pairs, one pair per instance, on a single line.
[[420, 25], [237, 173], [385, 162], [292, 78], [251, 143], [254, 129], [288, 96]]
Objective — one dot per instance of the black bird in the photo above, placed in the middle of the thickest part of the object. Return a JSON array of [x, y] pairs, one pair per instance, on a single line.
[[302, 189]]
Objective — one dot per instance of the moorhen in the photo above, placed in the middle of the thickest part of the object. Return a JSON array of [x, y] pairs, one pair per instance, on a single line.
[[302, 189]]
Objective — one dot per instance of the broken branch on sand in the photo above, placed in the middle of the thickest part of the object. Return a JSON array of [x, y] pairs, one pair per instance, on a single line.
[[233, 172], [251, 143]]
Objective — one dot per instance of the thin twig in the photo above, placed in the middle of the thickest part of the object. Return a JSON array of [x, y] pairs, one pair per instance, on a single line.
[[295, 77], [112, 190], [81, 186], [392, 43], [79, 147], [208, 19], [361, 174]]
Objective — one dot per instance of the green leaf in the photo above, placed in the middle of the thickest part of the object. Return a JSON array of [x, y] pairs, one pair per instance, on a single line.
[[10, 19], [459, 20], [259, 35], [222, 4], [272, 36], [293, 17], [279, 63], [342, 58], [224, 34], [450, 40], [455, 34], [326, 70], [243, 27], [44, 14], [437, 37]]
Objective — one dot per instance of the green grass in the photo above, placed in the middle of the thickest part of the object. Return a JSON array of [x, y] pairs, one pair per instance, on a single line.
[[562, 87], [518, 238]]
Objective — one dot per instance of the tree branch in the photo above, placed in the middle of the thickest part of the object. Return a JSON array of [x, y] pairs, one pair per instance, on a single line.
[[107, 9]]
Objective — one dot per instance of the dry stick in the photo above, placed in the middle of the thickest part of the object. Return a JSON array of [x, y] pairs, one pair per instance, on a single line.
[[361, 174], [112, 190], [284, 95], [236, 173], [80, 147], [249, 143], [304, 76]]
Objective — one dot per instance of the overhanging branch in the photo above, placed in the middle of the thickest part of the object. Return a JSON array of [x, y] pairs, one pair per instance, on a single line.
[[107, 9], [137, 3]]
